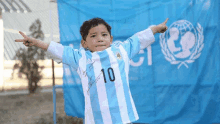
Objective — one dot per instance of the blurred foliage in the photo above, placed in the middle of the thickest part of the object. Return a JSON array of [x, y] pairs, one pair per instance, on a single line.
[[27, 59]]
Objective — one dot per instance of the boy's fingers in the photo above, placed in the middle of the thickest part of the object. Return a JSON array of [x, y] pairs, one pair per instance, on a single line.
[[19, 40], [165, 21], [23, 34]]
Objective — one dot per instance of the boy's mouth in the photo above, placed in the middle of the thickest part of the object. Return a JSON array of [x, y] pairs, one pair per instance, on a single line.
[[100, 45]]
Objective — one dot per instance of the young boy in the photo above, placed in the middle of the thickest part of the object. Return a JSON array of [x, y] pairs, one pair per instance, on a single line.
[[103, 67]]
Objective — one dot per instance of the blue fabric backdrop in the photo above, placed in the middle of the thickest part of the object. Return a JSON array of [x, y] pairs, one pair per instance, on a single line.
[[177, 79]]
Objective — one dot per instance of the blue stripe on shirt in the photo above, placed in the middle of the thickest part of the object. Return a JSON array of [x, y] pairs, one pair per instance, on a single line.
[[110, 87], [92, 90]]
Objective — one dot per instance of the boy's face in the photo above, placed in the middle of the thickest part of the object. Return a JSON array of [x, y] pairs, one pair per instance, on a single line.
[[98, 38]]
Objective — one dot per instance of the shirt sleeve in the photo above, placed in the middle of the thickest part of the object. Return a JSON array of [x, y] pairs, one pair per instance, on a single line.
[[64, 54], [138, 41], [146, 37], [55, 51]]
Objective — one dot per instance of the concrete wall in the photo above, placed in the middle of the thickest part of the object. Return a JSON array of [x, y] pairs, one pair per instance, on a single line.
[[22, 83]]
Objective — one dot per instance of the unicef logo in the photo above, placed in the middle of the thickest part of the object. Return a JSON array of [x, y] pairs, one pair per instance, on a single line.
[[182, 43]]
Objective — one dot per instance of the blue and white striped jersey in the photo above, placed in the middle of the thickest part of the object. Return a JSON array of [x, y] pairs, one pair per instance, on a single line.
[[104, 76]]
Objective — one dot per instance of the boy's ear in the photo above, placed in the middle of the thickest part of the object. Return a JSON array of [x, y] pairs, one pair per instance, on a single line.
[[84, 44], [111, 39]]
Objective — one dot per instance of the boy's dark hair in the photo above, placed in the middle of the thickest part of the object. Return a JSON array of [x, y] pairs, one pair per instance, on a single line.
[[87, 25]]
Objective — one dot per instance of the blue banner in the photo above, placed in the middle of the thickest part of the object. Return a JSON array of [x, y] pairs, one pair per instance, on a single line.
[[176, 79]]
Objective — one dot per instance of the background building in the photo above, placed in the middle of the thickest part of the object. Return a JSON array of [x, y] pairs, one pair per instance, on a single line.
[[18, 15]]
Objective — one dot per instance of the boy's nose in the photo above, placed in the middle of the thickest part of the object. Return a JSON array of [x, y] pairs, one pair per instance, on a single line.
[[100, 39]]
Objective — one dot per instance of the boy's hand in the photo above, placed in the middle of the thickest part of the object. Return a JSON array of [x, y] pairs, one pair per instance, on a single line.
[[27, 41], [161, 28]]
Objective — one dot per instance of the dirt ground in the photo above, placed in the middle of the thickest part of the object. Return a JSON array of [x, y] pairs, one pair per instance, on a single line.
[[34, 109]]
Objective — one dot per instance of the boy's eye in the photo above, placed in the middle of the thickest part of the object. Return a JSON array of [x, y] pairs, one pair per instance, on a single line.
[[104, 34], [93, 36]]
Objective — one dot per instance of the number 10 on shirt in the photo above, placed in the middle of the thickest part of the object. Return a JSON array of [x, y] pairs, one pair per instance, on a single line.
[[110, 74]]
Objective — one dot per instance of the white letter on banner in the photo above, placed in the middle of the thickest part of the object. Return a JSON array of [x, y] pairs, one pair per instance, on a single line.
[[149, 54], [141, 60]]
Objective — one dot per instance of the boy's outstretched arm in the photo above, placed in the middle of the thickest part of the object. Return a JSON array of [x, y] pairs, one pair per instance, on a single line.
[[27, 41], [161, 28], [146, 37]]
